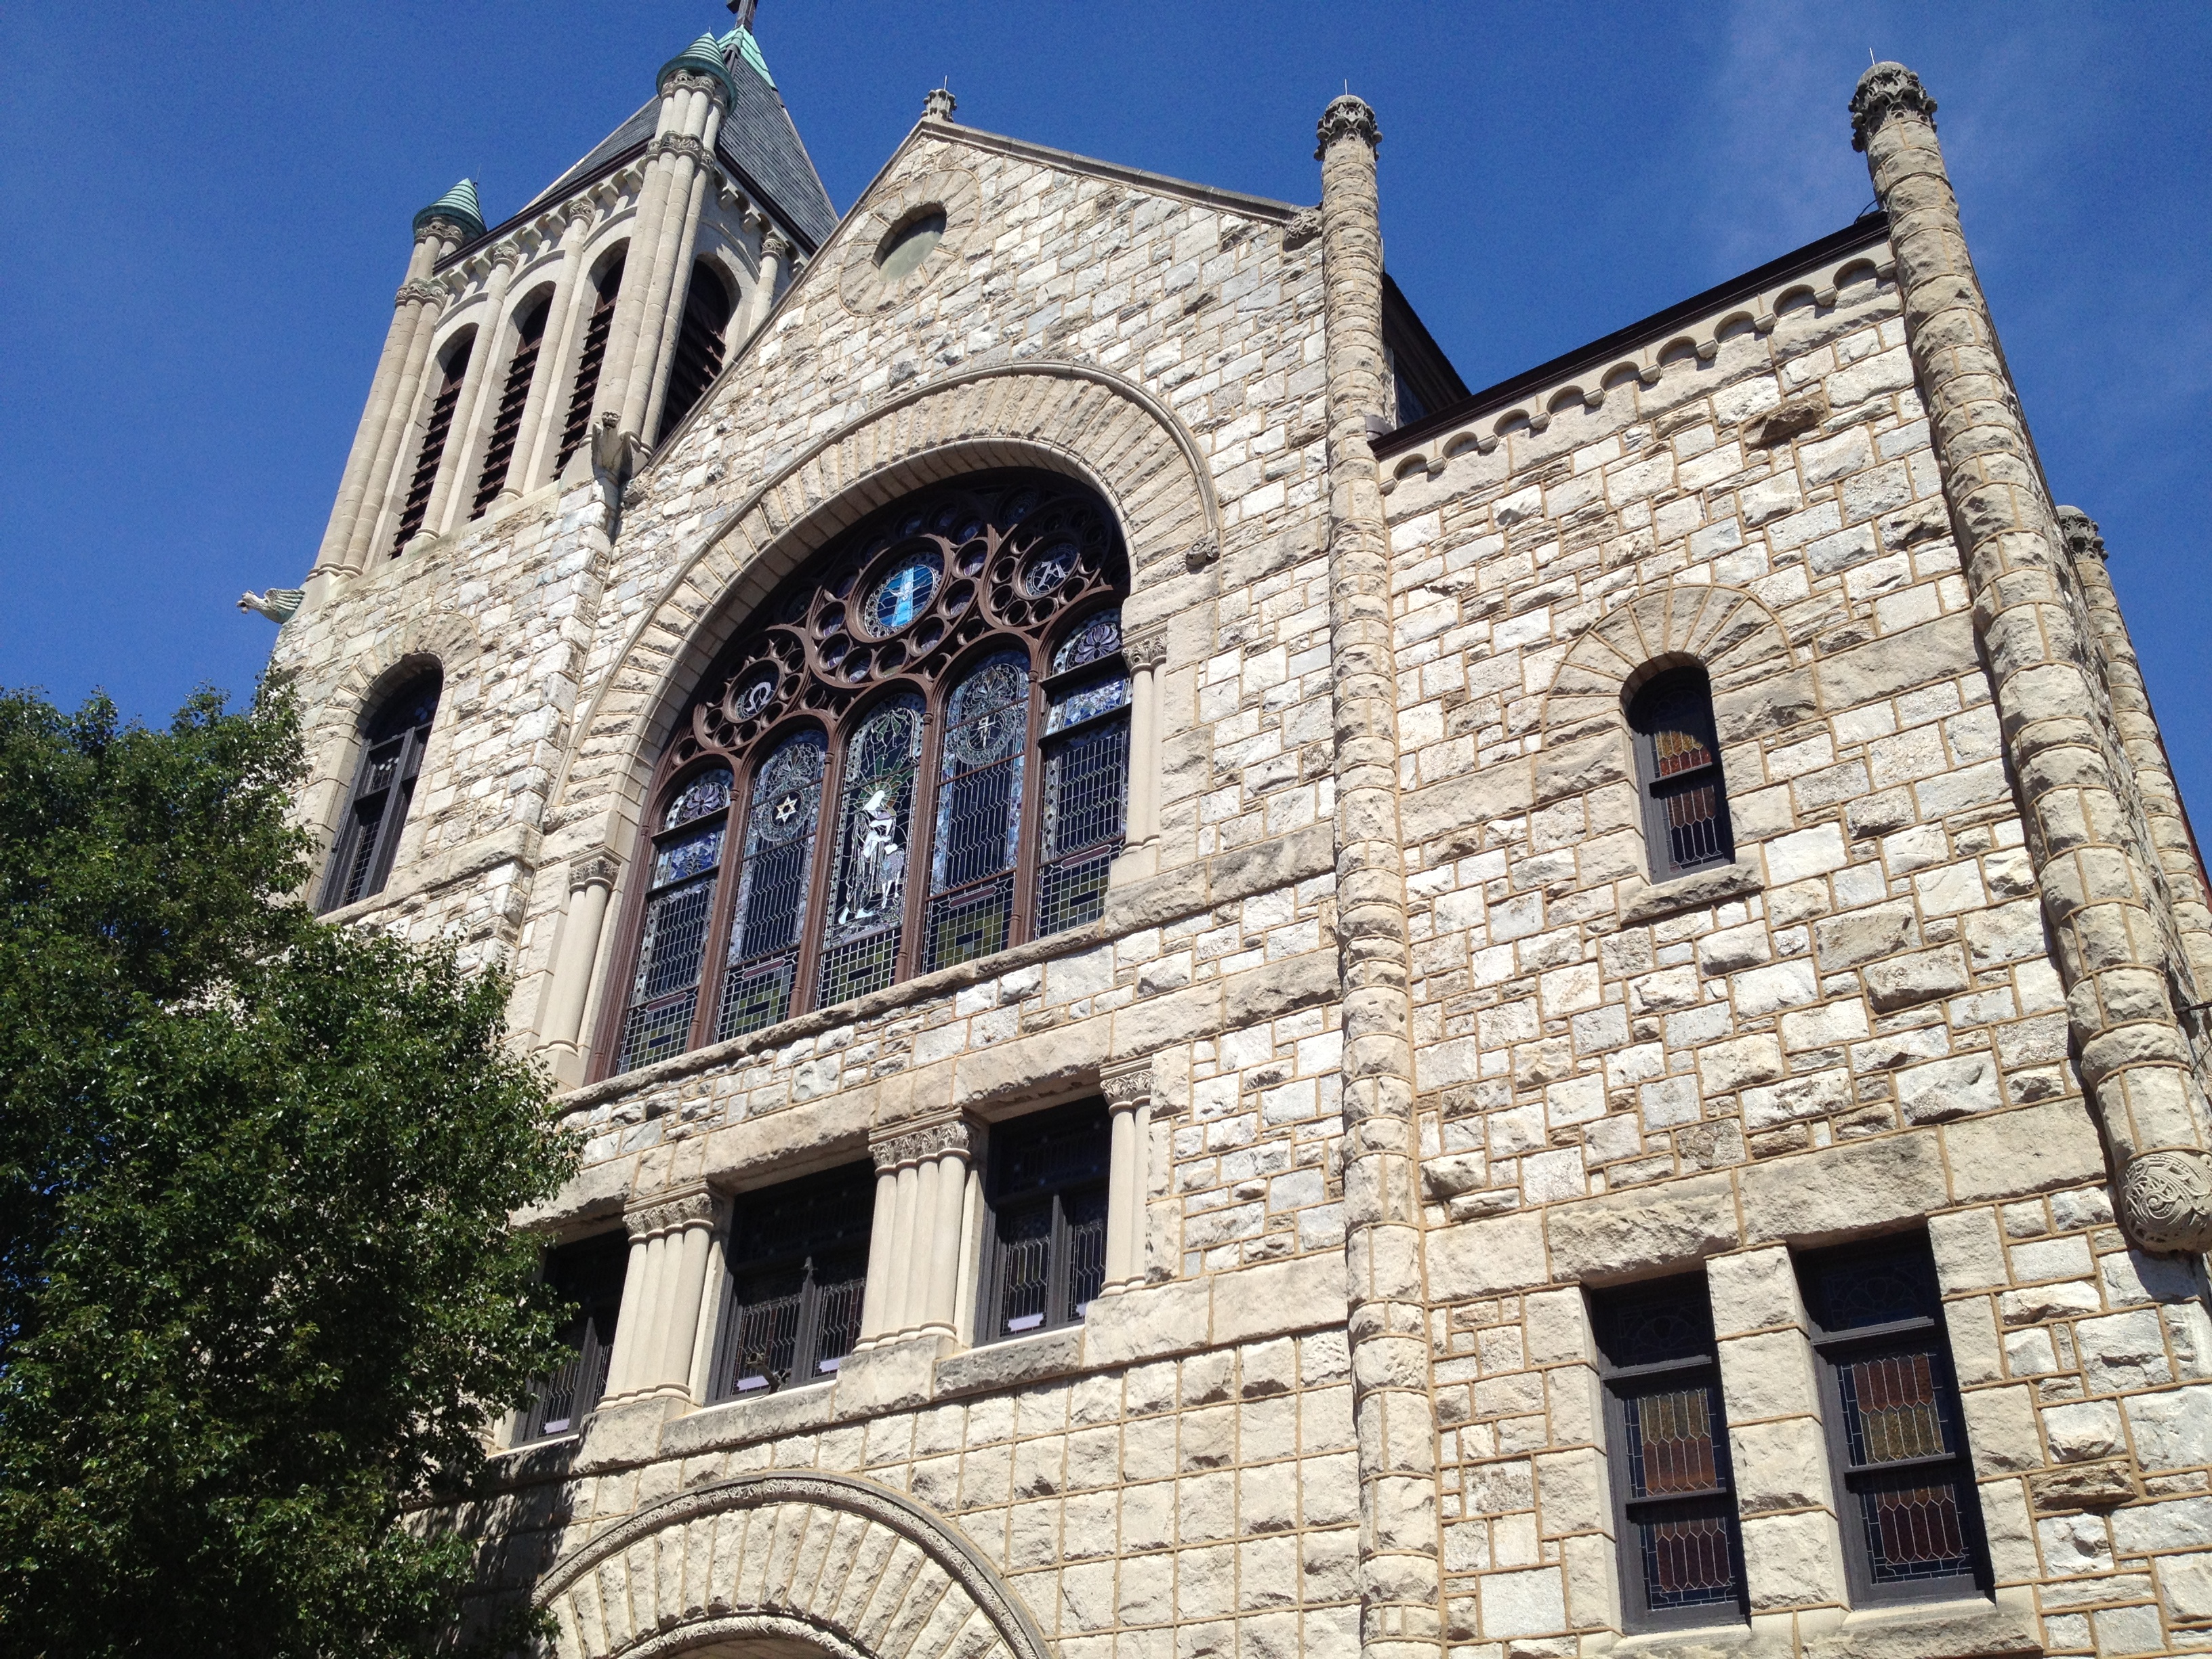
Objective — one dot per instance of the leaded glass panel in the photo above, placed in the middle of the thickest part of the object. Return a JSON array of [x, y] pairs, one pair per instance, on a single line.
[[1685, 799], [875, 822], [784, 807], [979, 812]]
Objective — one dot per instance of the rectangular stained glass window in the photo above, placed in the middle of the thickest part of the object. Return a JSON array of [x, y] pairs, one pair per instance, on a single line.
[[1085, 805], [1911, 1516], [798, 1263], [1048, 1197], [1681, 1554]]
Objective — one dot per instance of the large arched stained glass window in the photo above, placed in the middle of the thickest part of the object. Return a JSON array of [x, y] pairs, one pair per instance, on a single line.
[[687, 862], [875, 830], [928, 731], [785, 806]]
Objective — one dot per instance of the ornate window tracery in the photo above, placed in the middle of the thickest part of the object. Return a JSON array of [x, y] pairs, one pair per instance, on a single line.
[[922, 747]]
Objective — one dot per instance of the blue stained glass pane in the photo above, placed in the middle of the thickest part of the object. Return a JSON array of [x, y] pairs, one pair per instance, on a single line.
[[1086, 703], [709, 792], [1100, 636], [677, 859], [903, 595]]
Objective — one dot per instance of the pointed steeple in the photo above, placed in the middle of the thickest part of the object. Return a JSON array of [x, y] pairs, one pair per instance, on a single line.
[[702, 57], [738, 46], [458, 205]]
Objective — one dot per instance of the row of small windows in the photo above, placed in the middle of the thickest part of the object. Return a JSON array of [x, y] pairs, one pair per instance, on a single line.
[[701, 345], [1897, 1445], [790, 1304], [923, 759]]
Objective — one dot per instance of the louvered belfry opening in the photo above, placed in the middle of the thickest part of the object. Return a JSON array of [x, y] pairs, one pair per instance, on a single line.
[[699, 347], [588, 364], [433, 446], [499, 453], [383, 789]]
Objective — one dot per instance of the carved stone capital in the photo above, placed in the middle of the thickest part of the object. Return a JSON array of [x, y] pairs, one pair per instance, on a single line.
[[2165, 1199], [699, 1208], [425, 293], [598, 871], [686, 81], [1348, 117], [1305, 226], [582, 211], [939, 104], [1206, 551], [931, 1141], [1129, 1088], [1146, 651], [1883, 90], [775, 245], [681, 144], [2079, 531], [443, 229]]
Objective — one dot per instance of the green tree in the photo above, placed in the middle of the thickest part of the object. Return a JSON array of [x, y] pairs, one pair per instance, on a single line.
[[259, 1298]]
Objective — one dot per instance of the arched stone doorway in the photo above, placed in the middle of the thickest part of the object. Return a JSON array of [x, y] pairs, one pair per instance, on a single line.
[[786, 1566]]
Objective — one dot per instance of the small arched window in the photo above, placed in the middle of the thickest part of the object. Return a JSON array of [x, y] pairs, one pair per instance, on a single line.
[[589, 360], [1678, 766], [454, 366], [923, 738], [383, 787], [698, 346], [521, 368]]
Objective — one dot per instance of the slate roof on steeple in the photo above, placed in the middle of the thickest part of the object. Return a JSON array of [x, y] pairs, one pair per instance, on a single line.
[[758, 142]]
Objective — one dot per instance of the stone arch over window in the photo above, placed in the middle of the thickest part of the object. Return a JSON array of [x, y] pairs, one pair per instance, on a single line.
[[913, 753], [824, 1562]]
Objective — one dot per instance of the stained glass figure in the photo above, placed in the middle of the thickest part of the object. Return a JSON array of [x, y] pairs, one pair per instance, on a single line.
[[979, 812], [781, 815], [679, 908], [867, 903]]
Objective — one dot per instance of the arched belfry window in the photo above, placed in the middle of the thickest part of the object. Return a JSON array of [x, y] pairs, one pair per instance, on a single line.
[[383, 787], [507, 426], [1678, 766], [922, 744], [699, 346], [453, 367], [590, 357]]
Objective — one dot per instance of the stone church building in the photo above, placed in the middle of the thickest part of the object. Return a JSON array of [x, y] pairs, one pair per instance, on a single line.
[[1229, 1002]]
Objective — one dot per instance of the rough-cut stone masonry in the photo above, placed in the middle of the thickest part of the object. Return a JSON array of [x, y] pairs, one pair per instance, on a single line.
[[1408, 1049]]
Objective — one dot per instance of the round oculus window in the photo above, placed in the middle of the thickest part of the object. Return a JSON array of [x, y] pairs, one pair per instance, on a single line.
[[906, 248], [1043, 571], [902, 595]]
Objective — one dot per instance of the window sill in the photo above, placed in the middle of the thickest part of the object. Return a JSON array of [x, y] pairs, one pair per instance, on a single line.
[[1730, 1641], [1642, 901], [1010, 1361], [1961, 1629]]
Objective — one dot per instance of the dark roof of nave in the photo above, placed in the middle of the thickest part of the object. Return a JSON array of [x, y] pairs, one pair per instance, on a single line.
[[758, 142]]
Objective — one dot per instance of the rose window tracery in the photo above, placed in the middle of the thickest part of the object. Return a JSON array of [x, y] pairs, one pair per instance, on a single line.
[[921, 747]]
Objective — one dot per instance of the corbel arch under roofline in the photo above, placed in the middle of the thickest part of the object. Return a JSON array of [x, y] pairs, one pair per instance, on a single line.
[[842, 1564], [1083, 422]]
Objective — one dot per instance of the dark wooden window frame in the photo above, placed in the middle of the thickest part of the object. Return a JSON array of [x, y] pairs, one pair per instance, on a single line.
[[1687, 687], [1623, 1384], [378, 802], [591, 1270], [825, 1309], [1922, 1332], [718, 731], [1066, 1239]]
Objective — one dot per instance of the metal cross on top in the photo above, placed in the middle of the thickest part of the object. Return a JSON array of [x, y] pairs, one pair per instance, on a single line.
[[743, 11]]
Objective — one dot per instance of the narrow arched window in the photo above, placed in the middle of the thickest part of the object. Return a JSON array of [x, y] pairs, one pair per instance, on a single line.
[[499, 452], [780, 814], [383, 787], [679, 907], [453, 366], [931, 724], [589, 360], [698, 346], [1678, 763], [875, 831]]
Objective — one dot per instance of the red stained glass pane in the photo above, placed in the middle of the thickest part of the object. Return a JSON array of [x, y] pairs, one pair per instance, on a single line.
[[1889, 1402], [1673, 1449], [1678, 751], [1689, 1562], [1915, 1532]]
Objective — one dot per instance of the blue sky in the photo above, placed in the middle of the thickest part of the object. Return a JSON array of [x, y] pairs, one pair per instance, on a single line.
[[211, 206]]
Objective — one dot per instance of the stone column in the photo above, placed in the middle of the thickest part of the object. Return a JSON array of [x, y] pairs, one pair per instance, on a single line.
[[687, 157], [2097, 895], [630, 1318], [913, 1260], [653, 193], [654, 1340], [776, 253], [1145, 656], [428, 301], [417, 295], [479, 381], [2166, 821], [591, 881], [541, 416], [672, 321], [1129, 1105], [1400, 1574]]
